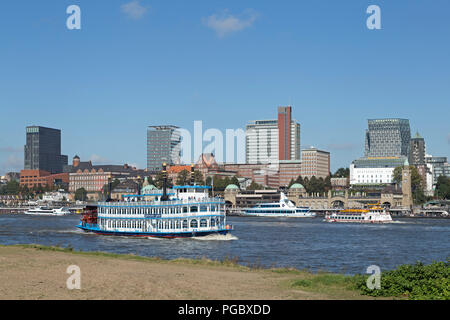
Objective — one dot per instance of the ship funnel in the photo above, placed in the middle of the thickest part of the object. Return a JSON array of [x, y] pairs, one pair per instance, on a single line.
[[164, 175], [192, 175]]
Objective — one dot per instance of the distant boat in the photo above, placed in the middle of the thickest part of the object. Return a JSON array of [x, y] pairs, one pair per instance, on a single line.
[[46, 211], [283, 208], [374, 214]]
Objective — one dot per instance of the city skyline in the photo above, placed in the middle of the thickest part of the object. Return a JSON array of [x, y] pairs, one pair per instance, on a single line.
[[106, 83]]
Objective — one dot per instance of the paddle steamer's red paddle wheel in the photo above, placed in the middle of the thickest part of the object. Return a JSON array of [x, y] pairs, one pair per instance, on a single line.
[[89, 216]]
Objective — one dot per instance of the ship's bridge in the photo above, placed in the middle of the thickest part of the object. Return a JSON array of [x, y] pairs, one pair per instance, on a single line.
[[191, 192]]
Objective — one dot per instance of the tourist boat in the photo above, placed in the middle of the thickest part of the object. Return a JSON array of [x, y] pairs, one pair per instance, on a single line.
[[188, 211], [46, 211], [373, 214], [283, 208]]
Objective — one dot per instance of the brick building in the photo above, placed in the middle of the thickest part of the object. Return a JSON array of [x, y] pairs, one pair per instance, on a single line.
[[34, 178]]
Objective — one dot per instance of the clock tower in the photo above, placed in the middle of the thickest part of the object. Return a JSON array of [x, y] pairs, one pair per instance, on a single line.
[[407, 200]]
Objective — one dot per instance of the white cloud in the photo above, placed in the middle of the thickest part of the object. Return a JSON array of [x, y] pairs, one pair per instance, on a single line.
[[13, 163], [226, 23], [134, 10], [96, 159], [11, 149]]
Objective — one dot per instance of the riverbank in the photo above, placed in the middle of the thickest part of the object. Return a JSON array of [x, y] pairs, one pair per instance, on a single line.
[[39, 272]]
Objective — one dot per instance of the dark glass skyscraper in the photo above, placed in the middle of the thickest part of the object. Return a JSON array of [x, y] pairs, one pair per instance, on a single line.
[[388, 138], [163, 145], [43, 150]]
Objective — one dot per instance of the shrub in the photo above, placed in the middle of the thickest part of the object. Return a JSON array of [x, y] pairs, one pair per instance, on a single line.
[[417, 282]]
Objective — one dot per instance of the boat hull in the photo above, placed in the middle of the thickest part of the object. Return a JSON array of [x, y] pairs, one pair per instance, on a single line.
[[278, 215], [368, 221], [45, 214], [169, 235]]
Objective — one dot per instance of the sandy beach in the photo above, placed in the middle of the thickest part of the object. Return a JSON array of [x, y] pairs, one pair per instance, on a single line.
[[35, 272]]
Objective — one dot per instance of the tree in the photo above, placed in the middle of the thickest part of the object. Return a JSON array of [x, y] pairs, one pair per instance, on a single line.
[[221, 183], [81, 194], [198, 178], [442, 188], [327, 184], [416, 183], [159, 181], [342, 173], [255, 186], [416, 179], [114, 184], [182, 178], [12, 187]]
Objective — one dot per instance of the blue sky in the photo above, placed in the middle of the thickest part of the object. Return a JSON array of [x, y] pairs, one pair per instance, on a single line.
[[140, 63]]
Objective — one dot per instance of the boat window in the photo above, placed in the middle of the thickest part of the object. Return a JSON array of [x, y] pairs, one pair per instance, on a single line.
[[194, 209], [213, 208], [185, 224], [194, 223], [185, 209], [203, 223], [213, 222], [203, 208]]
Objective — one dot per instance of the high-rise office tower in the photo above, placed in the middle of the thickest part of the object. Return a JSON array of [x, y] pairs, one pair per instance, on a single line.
[[163, 145], [43, 150], [269, 141], [387, 138], [417, 150], [315, 163]]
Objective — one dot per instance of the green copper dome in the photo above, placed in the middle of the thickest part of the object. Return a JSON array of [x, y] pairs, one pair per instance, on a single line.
[[297, 186]]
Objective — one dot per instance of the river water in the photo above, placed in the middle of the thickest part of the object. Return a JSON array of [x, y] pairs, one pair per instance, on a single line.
[[303, 243]]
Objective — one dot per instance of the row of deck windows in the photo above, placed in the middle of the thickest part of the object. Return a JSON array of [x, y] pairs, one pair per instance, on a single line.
[[162, 210], [352, 218], [160, 224], [278, 211]]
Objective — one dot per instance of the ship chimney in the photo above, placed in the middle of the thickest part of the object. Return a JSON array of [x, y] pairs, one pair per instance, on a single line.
[[164, 174], [192, 175]]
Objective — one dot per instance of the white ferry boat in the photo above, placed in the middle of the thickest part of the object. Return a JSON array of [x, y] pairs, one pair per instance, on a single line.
[[188, 211], [374, 214], [283, 208], [46, 211]]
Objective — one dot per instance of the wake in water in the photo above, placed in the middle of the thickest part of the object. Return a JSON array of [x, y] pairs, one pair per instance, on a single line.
[[75, 231], [217, 237]]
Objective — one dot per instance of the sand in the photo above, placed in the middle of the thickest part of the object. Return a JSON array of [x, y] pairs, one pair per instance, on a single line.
[[29, 273]]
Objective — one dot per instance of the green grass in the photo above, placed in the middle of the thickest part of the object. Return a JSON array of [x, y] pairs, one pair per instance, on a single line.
[[414, 282], [335, 285]]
